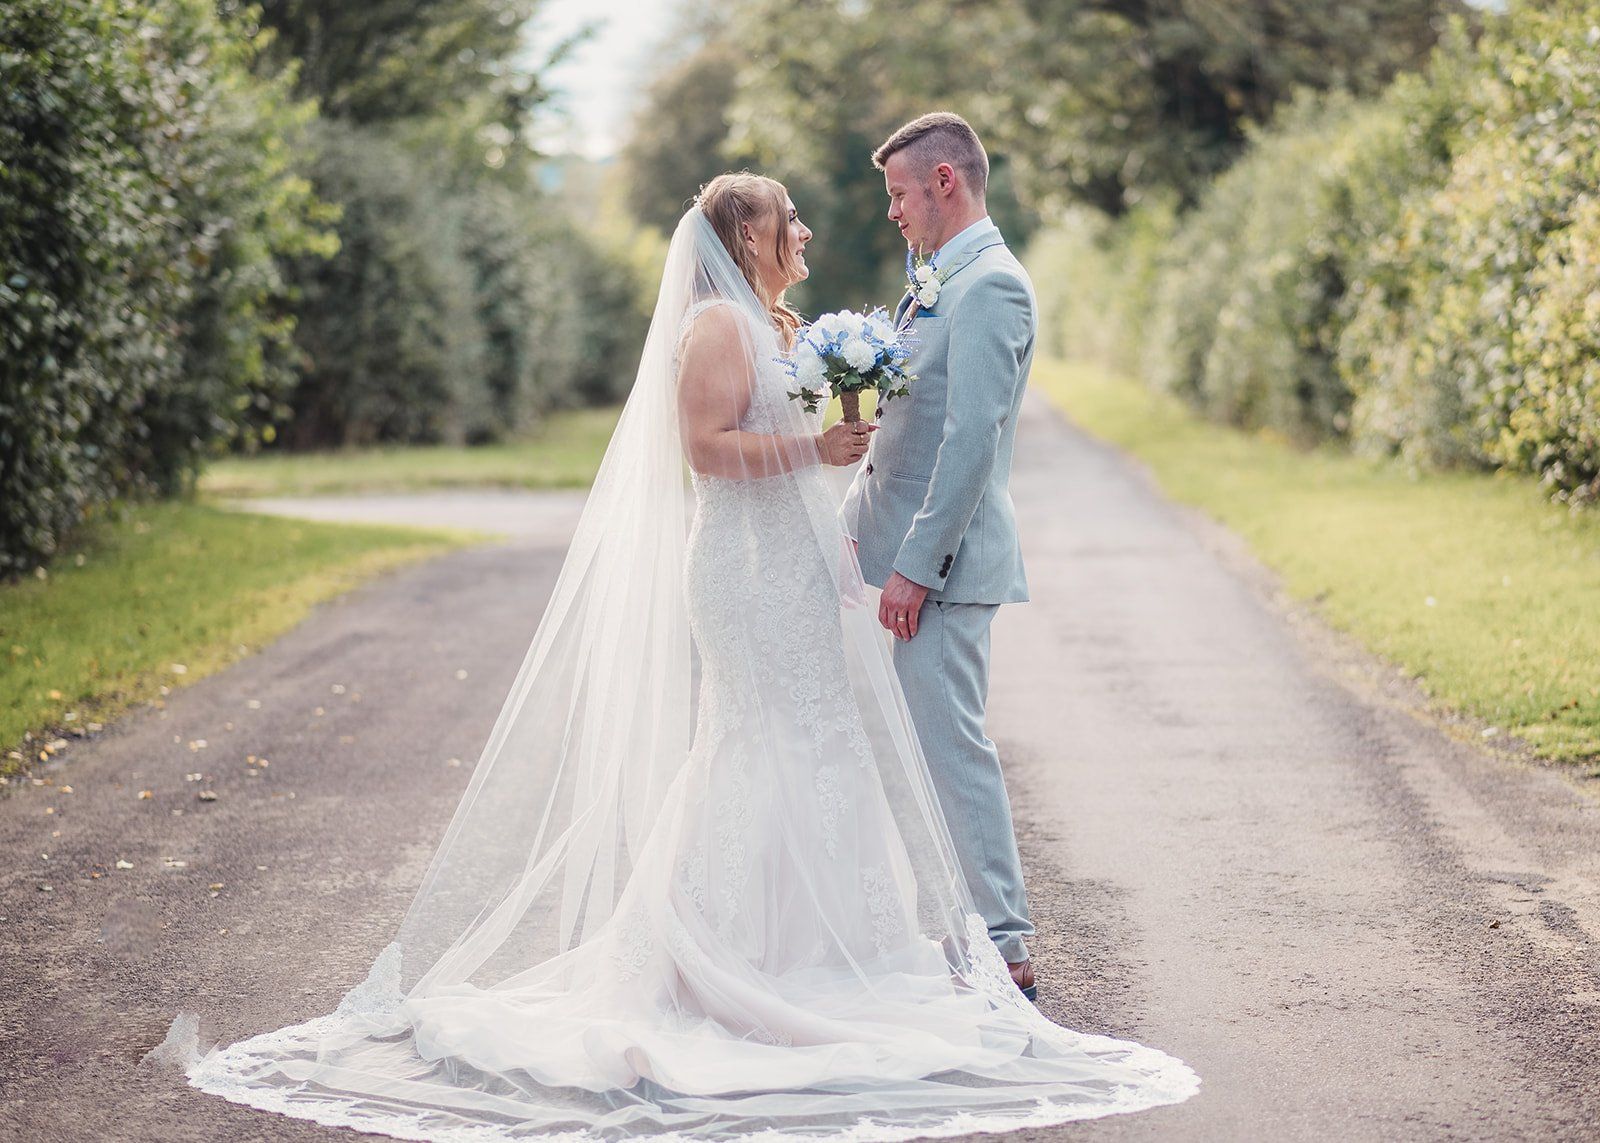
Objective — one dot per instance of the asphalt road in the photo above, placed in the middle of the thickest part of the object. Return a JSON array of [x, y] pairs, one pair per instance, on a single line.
[[1243, 844]]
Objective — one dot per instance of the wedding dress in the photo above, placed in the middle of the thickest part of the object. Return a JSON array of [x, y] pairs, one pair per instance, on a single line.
[[754, 929]]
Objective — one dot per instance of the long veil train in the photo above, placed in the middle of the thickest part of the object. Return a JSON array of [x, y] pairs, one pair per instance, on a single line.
[[695, 912]]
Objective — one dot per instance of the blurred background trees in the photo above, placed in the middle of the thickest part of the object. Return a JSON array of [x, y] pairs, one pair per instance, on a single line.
[[304, 223], [235, 226]]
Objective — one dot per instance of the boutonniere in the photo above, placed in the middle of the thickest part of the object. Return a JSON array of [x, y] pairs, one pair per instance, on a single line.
[[925, 281]]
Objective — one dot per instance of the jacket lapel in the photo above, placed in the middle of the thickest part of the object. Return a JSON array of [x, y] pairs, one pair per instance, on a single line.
[[984, 240], [909, 307]]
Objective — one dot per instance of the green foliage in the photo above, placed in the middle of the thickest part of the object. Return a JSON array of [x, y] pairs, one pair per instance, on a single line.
[[1412, 274], [564, 452], [457, 310], [679, 141], [1252, 289], [1454, 351], [386, 328], [805, 111], [145, 193], [1110, 100], [1097, 280], [1104, 103], [384, 60]]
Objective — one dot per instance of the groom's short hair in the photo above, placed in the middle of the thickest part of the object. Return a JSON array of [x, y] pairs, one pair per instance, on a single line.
[[940, 137]]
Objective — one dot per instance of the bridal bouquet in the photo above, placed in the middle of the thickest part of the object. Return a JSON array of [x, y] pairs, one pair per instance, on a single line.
[[840, 354]]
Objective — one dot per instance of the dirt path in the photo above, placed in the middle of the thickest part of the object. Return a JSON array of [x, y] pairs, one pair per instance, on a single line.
[[1241, 847]]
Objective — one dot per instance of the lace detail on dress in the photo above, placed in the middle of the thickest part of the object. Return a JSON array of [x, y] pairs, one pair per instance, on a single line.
[[831, 798], [883, 900], [632, 947]]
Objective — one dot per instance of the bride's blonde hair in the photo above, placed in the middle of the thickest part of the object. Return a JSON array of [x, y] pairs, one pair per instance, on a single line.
[[730, 201]]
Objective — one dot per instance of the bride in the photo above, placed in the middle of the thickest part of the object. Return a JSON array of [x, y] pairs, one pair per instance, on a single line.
[[699, 886]]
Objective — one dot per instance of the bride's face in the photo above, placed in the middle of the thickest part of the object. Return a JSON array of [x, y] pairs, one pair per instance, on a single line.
[[781, 257], [797, 234]]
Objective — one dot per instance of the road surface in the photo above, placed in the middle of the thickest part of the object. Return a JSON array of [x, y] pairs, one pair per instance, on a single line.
[[1243, 846]]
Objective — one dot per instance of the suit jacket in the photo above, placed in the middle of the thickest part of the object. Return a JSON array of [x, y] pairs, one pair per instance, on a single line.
[[931, 498]]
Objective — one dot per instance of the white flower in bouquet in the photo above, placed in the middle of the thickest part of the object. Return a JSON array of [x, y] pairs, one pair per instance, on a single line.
[[809, 367], [859, 353]]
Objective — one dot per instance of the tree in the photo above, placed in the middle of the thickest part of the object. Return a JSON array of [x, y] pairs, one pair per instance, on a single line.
[[680, 137], [385, 60], [1111, 99]]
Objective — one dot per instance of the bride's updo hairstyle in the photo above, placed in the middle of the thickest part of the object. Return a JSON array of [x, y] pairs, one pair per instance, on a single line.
[[730, 201]]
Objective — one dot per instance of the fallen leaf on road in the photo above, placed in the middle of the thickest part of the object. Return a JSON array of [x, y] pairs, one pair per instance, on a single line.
[[121, 864], [146, 795], [207, 795]]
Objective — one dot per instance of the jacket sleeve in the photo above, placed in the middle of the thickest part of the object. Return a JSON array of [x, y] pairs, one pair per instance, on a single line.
[[989, 338]]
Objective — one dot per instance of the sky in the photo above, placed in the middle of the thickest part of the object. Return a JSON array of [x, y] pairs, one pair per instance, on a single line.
[[598, 83]]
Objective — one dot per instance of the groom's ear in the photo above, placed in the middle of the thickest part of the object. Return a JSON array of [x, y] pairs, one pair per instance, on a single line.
[[944, 177]]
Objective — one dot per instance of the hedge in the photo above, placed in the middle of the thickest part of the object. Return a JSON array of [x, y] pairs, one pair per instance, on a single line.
[[1412, 275]]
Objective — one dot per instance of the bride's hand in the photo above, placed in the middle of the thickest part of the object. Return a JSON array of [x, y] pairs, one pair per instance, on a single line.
[[845, 442]]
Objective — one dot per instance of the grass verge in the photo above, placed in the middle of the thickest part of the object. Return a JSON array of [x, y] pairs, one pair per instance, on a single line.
[[162, 595], [564, 454], [1474, 583]]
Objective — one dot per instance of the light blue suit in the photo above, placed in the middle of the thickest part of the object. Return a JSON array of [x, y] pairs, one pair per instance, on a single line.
[[931, 501]]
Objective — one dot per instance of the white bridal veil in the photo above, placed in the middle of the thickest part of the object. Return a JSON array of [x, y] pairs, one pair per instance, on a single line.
[[699, 886]]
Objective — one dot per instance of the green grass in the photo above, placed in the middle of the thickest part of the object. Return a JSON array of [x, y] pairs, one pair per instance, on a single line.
[[1474, 583], [564, 454], [163, 596]]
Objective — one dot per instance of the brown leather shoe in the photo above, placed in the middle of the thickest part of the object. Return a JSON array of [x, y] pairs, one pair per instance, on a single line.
[[1022, 977]]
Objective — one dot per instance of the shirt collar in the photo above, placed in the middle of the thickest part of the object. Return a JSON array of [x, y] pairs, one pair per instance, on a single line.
[[953, 246]]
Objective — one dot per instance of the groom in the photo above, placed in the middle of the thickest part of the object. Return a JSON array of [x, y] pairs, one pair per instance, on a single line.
[[930, 510]]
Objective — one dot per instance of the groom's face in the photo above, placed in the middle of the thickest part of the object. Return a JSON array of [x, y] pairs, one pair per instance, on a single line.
[[913, 207]]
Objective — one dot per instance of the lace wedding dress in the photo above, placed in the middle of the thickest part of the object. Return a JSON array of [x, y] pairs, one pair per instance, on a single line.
[[757, 930]]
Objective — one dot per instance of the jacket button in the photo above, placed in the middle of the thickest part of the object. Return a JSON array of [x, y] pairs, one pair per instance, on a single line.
[[869, 470]]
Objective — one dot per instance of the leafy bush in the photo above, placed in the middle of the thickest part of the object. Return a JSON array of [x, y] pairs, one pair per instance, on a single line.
[[145, 192], [1413, 274], [458, 309], [1454, 351], [1095, 281], [386, 331]]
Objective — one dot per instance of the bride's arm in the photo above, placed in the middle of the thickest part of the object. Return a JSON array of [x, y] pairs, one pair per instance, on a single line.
[[714, 385]]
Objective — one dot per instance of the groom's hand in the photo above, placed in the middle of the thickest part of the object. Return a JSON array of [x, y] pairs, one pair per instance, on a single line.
[[900, 605]]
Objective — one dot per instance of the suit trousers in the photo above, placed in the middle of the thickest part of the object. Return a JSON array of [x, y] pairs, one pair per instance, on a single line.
[[944, 671]]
